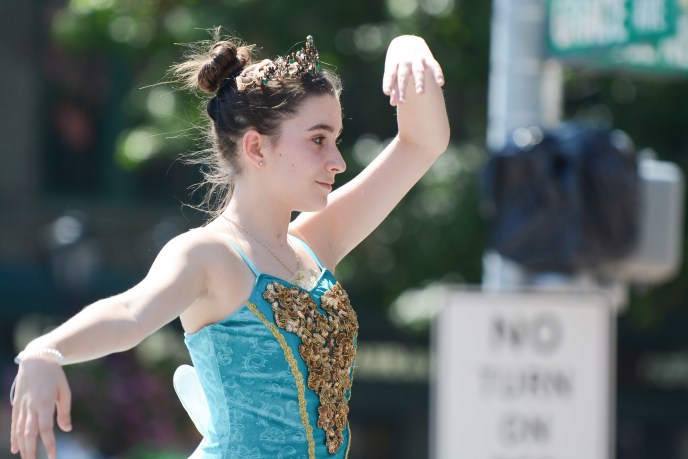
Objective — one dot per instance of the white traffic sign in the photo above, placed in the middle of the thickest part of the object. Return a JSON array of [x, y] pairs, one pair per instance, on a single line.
[[523, 376]]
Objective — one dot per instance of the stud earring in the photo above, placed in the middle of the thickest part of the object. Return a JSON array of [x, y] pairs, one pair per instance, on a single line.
[[260, 163]]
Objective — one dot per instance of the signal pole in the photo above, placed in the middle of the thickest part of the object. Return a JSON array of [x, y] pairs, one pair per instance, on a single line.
[[525, 89]]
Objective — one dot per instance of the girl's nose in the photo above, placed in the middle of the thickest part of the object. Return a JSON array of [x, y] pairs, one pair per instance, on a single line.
[[337, 164]]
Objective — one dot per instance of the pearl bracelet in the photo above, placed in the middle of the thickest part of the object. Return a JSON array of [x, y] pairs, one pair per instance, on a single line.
[[34, 352], [38, 352]]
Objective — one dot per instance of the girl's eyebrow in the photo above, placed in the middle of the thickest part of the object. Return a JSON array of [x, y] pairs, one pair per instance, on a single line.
[[325, 127]]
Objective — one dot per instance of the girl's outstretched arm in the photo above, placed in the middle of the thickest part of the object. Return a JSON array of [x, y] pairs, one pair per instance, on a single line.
[[412, 79], [176, 279]]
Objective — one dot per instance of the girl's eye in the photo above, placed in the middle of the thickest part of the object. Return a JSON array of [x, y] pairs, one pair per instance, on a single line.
[[318, 140], [338, 141]]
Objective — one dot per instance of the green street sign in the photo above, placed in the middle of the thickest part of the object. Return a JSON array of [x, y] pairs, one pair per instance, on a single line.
[[580, 26], [667, 55], [649, 36], [650, 20]]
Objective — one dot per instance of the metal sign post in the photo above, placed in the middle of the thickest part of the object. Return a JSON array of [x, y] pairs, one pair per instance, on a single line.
[[525, 88]]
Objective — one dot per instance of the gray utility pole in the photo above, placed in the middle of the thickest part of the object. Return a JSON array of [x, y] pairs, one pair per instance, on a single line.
[[525, 89]]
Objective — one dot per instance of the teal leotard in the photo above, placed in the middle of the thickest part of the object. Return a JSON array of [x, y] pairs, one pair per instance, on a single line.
[[277, 372]]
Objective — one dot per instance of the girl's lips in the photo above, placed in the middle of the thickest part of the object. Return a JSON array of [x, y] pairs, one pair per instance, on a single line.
[[326, 185]]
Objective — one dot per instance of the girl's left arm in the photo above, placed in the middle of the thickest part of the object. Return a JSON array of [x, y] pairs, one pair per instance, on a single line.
[[413, 80]]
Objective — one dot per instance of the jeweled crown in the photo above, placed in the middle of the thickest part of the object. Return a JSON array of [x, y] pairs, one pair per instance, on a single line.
[[305, 61]]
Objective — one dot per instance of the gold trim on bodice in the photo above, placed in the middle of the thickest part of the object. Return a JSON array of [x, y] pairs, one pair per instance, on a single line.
[[294, 367]]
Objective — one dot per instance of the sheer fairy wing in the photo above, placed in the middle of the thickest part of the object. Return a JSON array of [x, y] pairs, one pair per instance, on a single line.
[[190, 393]]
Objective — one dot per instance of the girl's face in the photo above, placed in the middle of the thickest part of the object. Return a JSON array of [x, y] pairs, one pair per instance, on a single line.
[[305, 159]]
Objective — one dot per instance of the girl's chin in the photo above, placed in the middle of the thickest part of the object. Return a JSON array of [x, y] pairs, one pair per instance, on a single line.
[[313, 206]]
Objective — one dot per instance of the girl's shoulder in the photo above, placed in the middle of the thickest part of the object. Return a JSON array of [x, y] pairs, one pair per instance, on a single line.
[[207, 247], [229, 281]]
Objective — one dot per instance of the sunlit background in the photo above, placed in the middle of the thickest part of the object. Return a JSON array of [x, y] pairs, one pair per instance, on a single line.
[[93, 184]]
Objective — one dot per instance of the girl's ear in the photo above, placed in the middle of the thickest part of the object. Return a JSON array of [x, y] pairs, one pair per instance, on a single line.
[[252, 144]]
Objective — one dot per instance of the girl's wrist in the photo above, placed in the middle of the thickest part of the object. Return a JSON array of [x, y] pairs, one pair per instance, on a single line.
[[39, 352], [35, 352]]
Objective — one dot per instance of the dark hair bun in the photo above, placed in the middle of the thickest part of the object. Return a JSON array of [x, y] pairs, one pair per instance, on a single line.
[[225, 58]]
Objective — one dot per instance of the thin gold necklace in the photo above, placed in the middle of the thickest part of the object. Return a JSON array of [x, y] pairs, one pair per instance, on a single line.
[[298, 260]]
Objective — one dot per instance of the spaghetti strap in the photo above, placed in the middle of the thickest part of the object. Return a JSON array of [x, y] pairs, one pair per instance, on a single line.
[[308, 249], [244, 257]]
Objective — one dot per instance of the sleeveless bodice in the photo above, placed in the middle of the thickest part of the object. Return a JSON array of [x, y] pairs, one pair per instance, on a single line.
[[277, 372]]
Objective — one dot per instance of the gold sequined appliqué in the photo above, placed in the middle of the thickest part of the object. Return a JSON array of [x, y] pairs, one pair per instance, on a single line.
[[327, 346]]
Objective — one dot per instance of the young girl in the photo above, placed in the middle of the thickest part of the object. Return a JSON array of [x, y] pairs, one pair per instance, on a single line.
[[270, 331]]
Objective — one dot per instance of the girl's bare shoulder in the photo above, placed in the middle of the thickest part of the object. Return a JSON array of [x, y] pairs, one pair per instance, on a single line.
[[228, 279], [202, 253], [207, 245]]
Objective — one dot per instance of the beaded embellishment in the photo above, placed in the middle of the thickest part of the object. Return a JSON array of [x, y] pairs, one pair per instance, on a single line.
[[327, 346]]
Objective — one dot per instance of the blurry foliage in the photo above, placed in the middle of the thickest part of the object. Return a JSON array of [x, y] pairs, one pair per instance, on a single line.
[[131, 405]]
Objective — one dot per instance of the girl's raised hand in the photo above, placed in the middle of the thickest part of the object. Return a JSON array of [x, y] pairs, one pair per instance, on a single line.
[[40, 388], [408, 56]]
